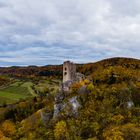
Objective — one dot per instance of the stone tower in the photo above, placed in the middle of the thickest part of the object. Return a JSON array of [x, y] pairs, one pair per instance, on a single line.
[[69, 71]]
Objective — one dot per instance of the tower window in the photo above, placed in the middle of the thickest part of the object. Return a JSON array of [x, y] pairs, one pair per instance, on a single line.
[[65, 68], [65, 73]]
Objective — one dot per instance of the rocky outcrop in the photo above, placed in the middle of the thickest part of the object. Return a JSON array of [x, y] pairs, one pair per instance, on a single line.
[[62, 104]]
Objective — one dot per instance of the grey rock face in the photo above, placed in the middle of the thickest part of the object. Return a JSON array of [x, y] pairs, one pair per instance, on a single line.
[[57, 109], [75, 104], [130, 104], [59, 97], [46, 116]]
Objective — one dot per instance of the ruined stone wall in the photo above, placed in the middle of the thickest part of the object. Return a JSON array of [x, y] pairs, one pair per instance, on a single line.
[[69, 71]]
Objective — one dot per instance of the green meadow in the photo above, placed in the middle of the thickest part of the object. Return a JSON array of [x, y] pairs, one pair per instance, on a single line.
[[15, 92], [24, 89]]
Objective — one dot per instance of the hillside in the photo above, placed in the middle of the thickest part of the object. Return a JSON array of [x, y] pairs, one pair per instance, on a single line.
[[32, 71], [104, 106], [56, 70], [127, 63]]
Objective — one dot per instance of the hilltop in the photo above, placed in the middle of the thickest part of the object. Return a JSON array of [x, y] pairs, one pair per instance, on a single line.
[[56, 70]]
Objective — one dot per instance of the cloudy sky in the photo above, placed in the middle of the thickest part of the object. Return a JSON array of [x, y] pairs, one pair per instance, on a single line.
[[41, 32]]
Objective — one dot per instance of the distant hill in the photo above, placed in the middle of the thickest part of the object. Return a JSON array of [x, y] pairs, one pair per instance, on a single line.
[[30, 71], [118, 61], [56, 70]]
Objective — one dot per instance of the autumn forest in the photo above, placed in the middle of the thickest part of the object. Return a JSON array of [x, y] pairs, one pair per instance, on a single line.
[[108, 102]]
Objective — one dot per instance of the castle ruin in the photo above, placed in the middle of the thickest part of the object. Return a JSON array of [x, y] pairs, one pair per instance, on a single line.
[[70, 76], [69, 71]]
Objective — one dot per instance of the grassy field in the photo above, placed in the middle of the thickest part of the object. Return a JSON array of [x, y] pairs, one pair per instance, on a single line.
[[22, 90], [52, 85], [15, 92]]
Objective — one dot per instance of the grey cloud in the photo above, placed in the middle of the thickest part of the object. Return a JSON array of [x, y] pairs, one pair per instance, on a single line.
[[125, 7], [45, 31]]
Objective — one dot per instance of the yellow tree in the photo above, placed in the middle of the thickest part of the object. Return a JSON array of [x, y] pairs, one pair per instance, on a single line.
[[8, 128], [61, 131]]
